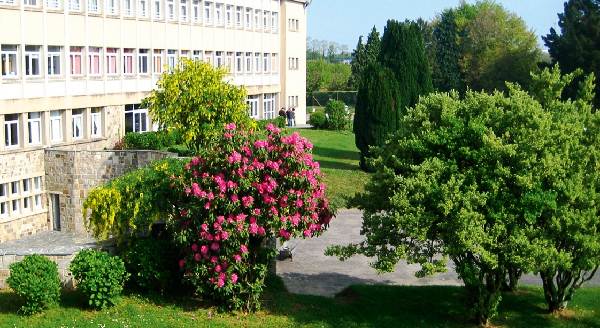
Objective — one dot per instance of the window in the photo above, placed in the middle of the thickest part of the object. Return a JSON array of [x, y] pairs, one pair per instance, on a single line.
[[171, 9], [184, 54], [208, 57], [3, 209], [14, 188], [34, 127], [238, 16], [157, 61], [96, 122], [143, 61], [293, 63], [32, 60], [77, 123], [54, 59], [128, 8], [143, 8], [112, 7], [274, 22], [219, 14], [92, 6], [74, 5], [229, 63], [171, 58], [37, 201], [26, 204], [229, 16], [157, 9], [111, 61], [183, 12], [248, 19], [239, 62], [94, 61], [136, 118], [3, 190], [248, 62], [15, 206], [26, 186], [128, 61], [252, 106], [257, 13], [274, 63], [50, 4], [37, 184], [293, 25], [208, 13], [269, 105], [257, 63], [56, 126], [8, 54], [75, 55], [197, 55], [196, 14], [292, 101], [219, 59], [266, 63], [11, 130], [266, 20], [30, 3]]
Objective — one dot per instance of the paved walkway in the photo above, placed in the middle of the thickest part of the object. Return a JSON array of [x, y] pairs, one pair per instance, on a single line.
[[313, 273], [47, 243]]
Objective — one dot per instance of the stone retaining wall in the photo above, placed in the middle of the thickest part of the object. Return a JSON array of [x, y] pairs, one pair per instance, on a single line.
[[71, 174]]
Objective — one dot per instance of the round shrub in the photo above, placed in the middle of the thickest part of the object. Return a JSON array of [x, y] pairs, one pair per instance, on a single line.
[[99, 276], [318, 120], [36, 281], [151, 262], [237, 196], [337, 116]]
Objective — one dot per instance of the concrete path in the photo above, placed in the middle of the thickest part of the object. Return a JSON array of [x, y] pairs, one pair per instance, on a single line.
[[47, 243], [313, 273]]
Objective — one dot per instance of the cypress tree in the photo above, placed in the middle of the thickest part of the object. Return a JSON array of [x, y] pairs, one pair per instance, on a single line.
[[447, 74], [363, 55], [377, 113], [403, 51]]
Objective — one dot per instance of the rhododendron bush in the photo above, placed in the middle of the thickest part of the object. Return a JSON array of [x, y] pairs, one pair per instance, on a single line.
[[236, 197]]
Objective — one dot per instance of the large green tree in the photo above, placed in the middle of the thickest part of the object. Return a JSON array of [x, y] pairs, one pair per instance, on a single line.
[[377, 114], [563, 201], [446, 71], [391, 82], [578, 44], [364, 55], [482, 45]]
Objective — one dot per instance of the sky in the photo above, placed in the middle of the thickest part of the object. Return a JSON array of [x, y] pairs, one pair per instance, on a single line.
[[343, 21]]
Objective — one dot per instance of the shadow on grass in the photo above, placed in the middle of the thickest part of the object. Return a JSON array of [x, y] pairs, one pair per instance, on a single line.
[[338, 166], [336, 153], [369, 305]]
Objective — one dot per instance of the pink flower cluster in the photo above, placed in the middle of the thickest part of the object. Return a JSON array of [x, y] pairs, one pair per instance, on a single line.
[[241, 192]]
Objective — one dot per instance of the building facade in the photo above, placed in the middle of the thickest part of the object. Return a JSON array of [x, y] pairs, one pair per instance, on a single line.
[[73, 73]]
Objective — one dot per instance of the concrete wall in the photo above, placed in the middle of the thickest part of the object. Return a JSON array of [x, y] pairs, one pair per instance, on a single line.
[[72, 173]]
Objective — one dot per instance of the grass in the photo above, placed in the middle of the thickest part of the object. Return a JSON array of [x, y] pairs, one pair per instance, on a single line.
[[358, 306], [338, 156]]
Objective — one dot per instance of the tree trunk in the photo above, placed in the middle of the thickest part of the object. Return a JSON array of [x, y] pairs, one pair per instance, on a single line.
[[512, 279], [555, 291]]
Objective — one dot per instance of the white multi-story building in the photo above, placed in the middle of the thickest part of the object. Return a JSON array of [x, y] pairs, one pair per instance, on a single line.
[[73, 73]]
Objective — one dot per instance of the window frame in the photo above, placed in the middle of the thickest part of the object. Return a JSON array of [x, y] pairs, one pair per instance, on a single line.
[[32, 56], [128, 55], [56, 118], [143, 58], [96, 117], [6, 55], [74, 118], [94, 53], [31, 121], [51, 64], [10, 124], [112, 61], [72, 55]]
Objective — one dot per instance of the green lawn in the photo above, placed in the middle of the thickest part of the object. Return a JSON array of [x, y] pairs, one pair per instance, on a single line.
[[358, 306], [338, 157]]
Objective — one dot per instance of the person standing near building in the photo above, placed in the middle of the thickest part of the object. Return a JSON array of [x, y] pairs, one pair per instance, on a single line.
[[282, 113], [293, 117], [288, 114]]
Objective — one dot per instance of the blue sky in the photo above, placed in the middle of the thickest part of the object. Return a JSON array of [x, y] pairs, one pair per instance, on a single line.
[[343, 21]]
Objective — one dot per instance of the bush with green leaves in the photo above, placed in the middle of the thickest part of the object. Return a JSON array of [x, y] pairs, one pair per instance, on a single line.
[[35, 280], [338, 117], [318, 120], [153, 140], [151, 262], [279, 122], [99, 276], [195, 99]]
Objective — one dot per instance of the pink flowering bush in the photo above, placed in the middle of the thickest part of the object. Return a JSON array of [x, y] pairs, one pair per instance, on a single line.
[[237, 196]]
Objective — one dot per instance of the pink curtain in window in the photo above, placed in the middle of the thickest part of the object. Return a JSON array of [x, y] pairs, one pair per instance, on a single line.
[[75, 64]]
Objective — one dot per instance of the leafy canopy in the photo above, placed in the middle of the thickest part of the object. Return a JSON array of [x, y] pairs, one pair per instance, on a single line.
[[195, 99]]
